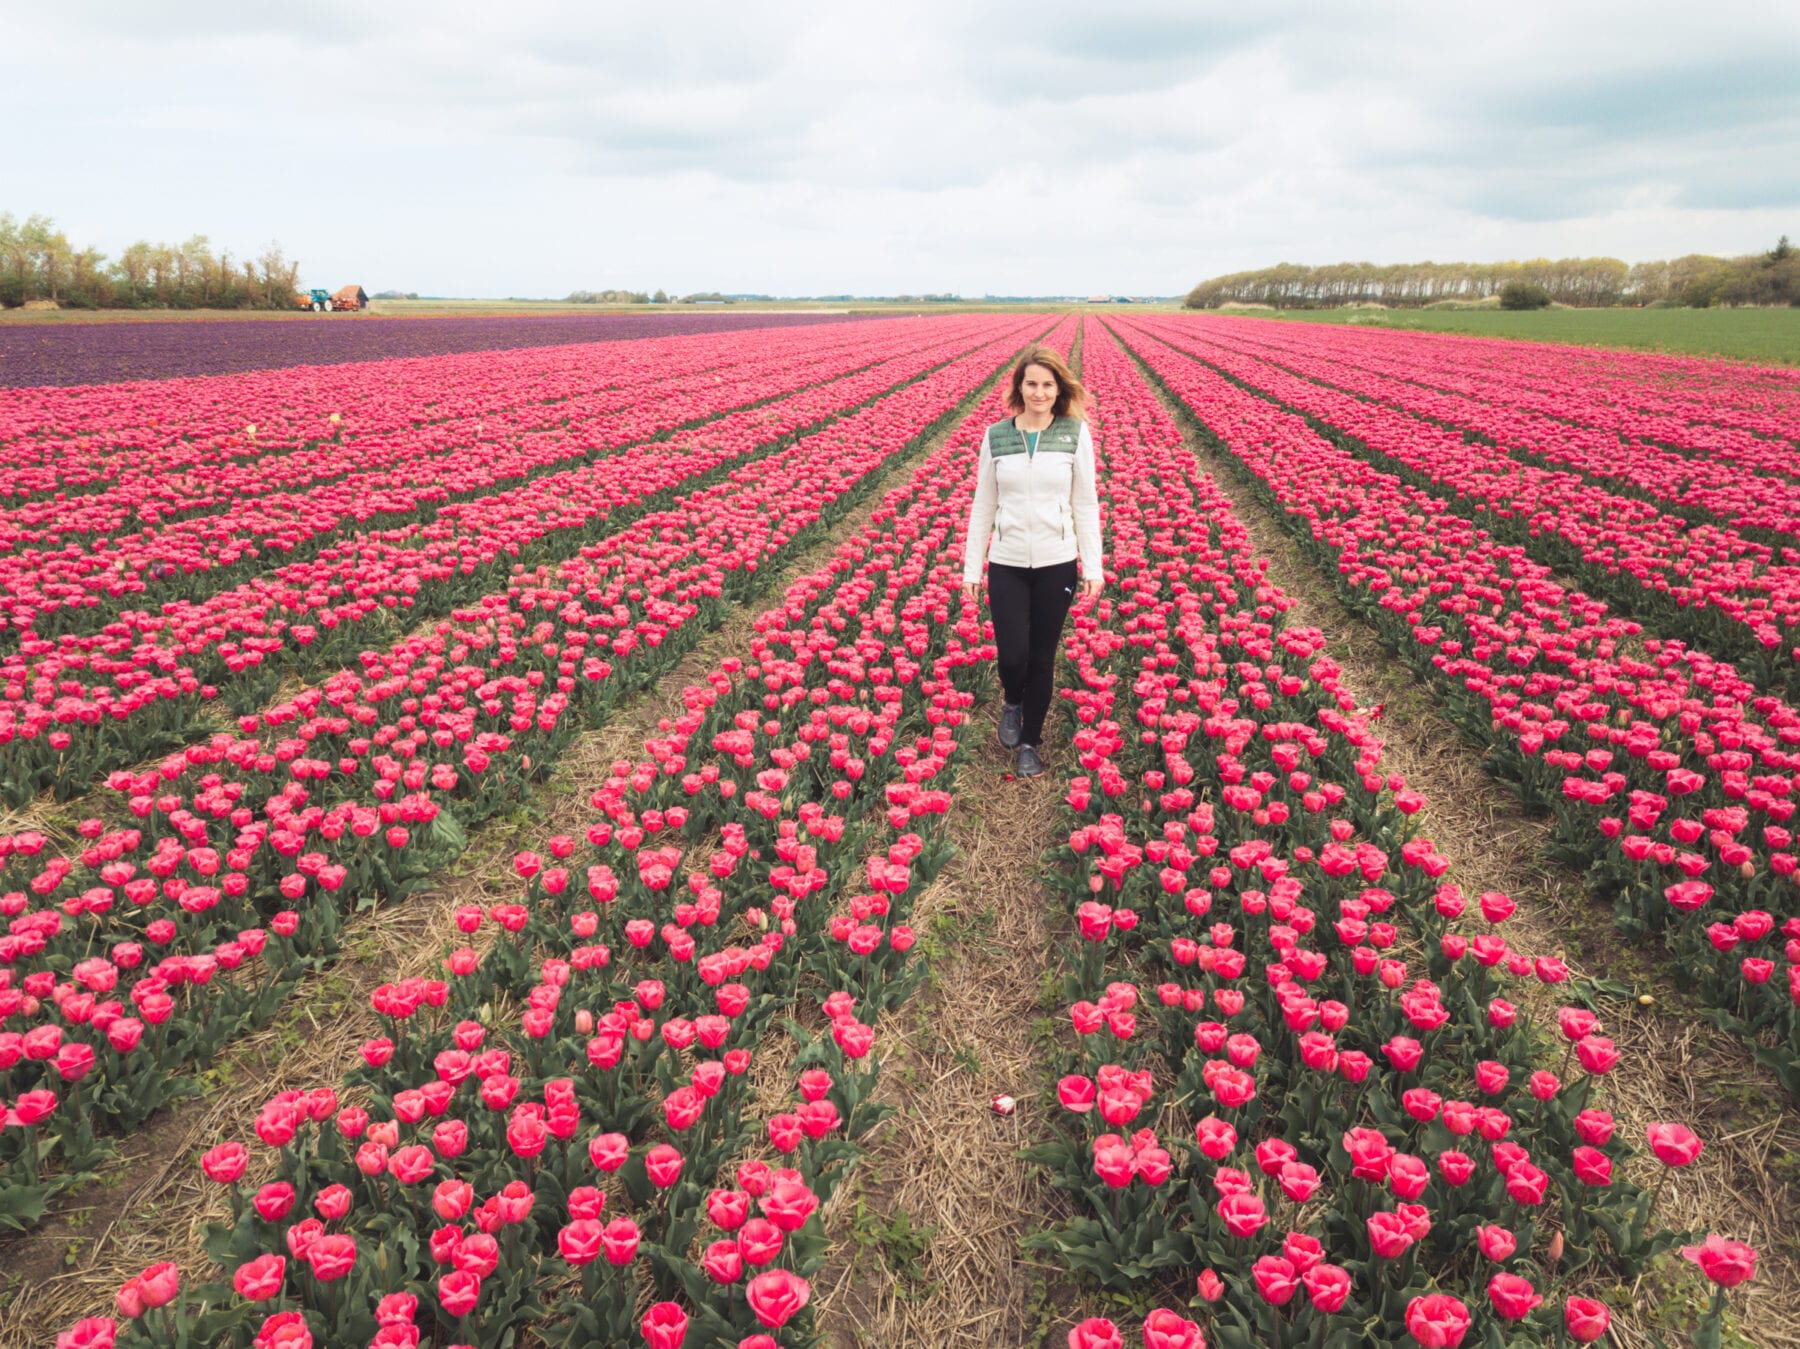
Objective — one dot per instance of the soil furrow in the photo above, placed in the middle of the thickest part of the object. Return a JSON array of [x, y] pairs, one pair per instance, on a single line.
[[926, 1244]]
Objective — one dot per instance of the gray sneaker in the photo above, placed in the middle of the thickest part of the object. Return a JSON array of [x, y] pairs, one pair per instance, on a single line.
[[1030, 765], [1012, 724]]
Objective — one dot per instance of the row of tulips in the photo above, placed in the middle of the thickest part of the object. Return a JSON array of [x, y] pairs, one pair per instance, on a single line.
[[104, 480], [1542, 396], [84, 441], [1672, 778], [297, 591], [79, 440], [1704, 584], [1762, 504], [1300, 1072], [240, 857], [80, 706], [586, 1127]]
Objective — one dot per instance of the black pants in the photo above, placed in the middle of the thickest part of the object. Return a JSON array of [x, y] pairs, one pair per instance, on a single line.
[[1029, 605]]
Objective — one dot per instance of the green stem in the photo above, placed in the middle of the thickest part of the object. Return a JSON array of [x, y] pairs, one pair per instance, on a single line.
[[1715, 1314]]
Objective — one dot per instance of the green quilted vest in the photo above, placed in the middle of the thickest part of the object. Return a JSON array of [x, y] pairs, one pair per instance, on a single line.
[[1062, 436]]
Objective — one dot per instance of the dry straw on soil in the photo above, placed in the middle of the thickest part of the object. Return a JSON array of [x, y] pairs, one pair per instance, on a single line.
[[946, 1160]]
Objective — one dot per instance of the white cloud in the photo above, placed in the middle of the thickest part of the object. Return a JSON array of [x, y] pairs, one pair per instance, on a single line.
[[790, 147]]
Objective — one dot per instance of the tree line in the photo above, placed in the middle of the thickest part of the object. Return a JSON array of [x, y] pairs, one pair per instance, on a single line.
[[37, 262], [1696, 280], [615, 297]]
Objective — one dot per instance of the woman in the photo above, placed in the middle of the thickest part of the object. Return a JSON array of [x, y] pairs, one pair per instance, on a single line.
[[1035, 496]]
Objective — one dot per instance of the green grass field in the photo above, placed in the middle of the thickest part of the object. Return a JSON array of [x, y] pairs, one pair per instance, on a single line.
[[1764, 336]]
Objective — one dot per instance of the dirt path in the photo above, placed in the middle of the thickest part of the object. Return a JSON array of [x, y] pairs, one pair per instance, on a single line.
[[1676, 1067], [926, 1242]]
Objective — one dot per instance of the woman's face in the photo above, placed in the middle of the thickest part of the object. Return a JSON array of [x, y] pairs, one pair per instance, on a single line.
[[1039, 390]]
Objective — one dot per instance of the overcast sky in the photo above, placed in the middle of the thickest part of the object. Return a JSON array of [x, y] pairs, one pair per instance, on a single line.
[[519, 148]]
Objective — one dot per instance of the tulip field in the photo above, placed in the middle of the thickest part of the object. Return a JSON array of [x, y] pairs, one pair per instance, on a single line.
[[280, 647], [177, 347]]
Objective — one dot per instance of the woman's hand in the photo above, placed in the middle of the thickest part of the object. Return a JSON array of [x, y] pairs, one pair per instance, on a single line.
[[972, 591], [1091, 586]]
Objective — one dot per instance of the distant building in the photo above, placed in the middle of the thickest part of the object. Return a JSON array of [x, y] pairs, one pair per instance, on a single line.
[[1099, 299]]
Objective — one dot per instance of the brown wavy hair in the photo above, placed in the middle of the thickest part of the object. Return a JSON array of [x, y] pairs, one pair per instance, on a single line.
[[1071, 398]]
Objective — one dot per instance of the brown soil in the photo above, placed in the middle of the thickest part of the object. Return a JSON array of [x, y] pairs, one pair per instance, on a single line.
[[925, 1240], [925, 1245]]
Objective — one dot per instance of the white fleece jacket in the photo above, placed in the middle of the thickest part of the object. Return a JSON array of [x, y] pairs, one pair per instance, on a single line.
[[1039, 509]]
